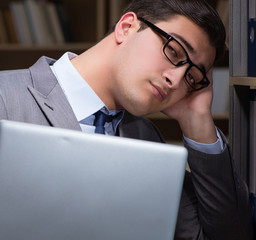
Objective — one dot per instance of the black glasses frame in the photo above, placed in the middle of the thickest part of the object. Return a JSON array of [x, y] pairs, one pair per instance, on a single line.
[[205, 81]]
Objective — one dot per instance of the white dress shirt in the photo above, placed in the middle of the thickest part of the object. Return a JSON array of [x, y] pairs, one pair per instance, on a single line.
[[82, 99]]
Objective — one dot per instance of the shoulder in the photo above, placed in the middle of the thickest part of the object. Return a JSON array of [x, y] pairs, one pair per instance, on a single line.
[[14, 81], [18, 79], [12, 75], [17, 76]]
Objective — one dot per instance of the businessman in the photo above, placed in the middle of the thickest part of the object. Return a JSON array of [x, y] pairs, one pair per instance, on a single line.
[[157, 58]]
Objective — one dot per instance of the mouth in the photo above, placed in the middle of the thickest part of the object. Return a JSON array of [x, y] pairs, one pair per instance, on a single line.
[[159, 93]]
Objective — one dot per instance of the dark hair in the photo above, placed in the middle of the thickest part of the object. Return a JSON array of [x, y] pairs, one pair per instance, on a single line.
[[198, 11]]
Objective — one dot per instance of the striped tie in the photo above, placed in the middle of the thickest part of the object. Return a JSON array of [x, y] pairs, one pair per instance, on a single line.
[[100, 120]]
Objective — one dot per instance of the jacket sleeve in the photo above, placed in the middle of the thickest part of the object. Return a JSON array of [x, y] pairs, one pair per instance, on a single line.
[[215, 201]]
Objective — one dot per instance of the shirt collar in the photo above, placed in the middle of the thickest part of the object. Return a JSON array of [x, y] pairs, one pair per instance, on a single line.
[[83, 100]]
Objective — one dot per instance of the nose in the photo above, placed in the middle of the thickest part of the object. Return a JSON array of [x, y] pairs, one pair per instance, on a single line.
[[174, 77]]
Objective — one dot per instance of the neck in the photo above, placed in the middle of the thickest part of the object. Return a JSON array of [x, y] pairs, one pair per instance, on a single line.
[[95, 66]]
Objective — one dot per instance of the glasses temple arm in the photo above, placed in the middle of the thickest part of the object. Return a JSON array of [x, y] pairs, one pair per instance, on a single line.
[[152, 26]]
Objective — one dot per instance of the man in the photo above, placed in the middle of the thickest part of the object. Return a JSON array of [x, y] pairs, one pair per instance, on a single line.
[[159, 57]]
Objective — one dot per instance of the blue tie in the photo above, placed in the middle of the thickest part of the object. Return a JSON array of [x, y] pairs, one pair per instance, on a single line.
[[100, 120]]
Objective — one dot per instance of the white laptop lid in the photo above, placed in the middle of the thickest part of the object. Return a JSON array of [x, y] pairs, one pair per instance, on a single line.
[[62, 184]]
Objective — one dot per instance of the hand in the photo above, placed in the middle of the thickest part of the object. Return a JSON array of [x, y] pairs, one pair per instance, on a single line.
[[193, 113]]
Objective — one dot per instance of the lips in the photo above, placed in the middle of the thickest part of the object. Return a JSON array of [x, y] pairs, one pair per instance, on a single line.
[[159, 93]]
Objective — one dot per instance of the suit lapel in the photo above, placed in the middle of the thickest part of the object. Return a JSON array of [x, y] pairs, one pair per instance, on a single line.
[[50, 97], [127, 127]]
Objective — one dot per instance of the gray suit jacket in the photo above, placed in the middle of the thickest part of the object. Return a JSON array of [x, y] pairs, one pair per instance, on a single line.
[[215, 201]]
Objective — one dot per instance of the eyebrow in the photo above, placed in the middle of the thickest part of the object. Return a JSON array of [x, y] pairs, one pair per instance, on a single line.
[[184, 41], [189, 47]]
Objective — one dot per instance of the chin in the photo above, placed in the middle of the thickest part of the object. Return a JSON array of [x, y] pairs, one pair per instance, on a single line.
[[139, 107]]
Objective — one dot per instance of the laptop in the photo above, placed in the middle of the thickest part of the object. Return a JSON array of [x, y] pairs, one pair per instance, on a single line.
[[62, 184]]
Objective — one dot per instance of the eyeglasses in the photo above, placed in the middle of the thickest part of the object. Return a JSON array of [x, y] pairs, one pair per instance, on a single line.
[[177, 55]]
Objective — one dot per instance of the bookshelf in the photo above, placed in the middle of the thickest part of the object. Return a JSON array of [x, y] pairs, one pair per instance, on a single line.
[[88, 21], [242, 91]]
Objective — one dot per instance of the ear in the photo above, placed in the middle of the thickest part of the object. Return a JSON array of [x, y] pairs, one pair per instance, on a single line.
[[127, 23]]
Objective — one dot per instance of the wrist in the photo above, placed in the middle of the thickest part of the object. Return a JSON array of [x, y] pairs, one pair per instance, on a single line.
[[199, 128]]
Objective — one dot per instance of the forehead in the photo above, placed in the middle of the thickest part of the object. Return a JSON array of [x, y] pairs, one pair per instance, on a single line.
[[193, 38]]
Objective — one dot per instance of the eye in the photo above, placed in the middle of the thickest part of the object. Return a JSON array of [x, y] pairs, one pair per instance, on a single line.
[[172, 51], [191, 79]]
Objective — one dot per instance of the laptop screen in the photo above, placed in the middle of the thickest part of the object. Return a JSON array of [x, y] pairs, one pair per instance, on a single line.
[[62, 184]]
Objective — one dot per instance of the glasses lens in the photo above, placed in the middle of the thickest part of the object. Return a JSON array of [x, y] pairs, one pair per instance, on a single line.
[[178, 57], [175, 52], [195, 78]]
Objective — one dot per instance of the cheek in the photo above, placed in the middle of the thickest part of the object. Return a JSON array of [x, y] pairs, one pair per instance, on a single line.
[[143, 55]]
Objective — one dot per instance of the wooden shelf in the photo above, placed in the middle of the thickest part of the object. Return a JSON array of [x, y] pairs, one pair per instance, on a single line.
[[243, 81], [15, 56], [51, 47]]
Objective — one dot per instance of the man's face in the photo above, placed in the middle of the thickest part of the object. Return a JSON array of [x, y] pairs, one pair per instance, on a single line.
[[145, 81]]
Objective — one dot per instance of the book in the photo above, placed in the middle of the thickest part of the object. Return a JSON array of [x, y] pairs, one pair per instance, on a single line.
[[35, 23], [20, 22], [64, 21], [54, 23], [251, 38], [252, 142], [251, 48], [10, 26], [238, 54], [44, 23], [251, 9]]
